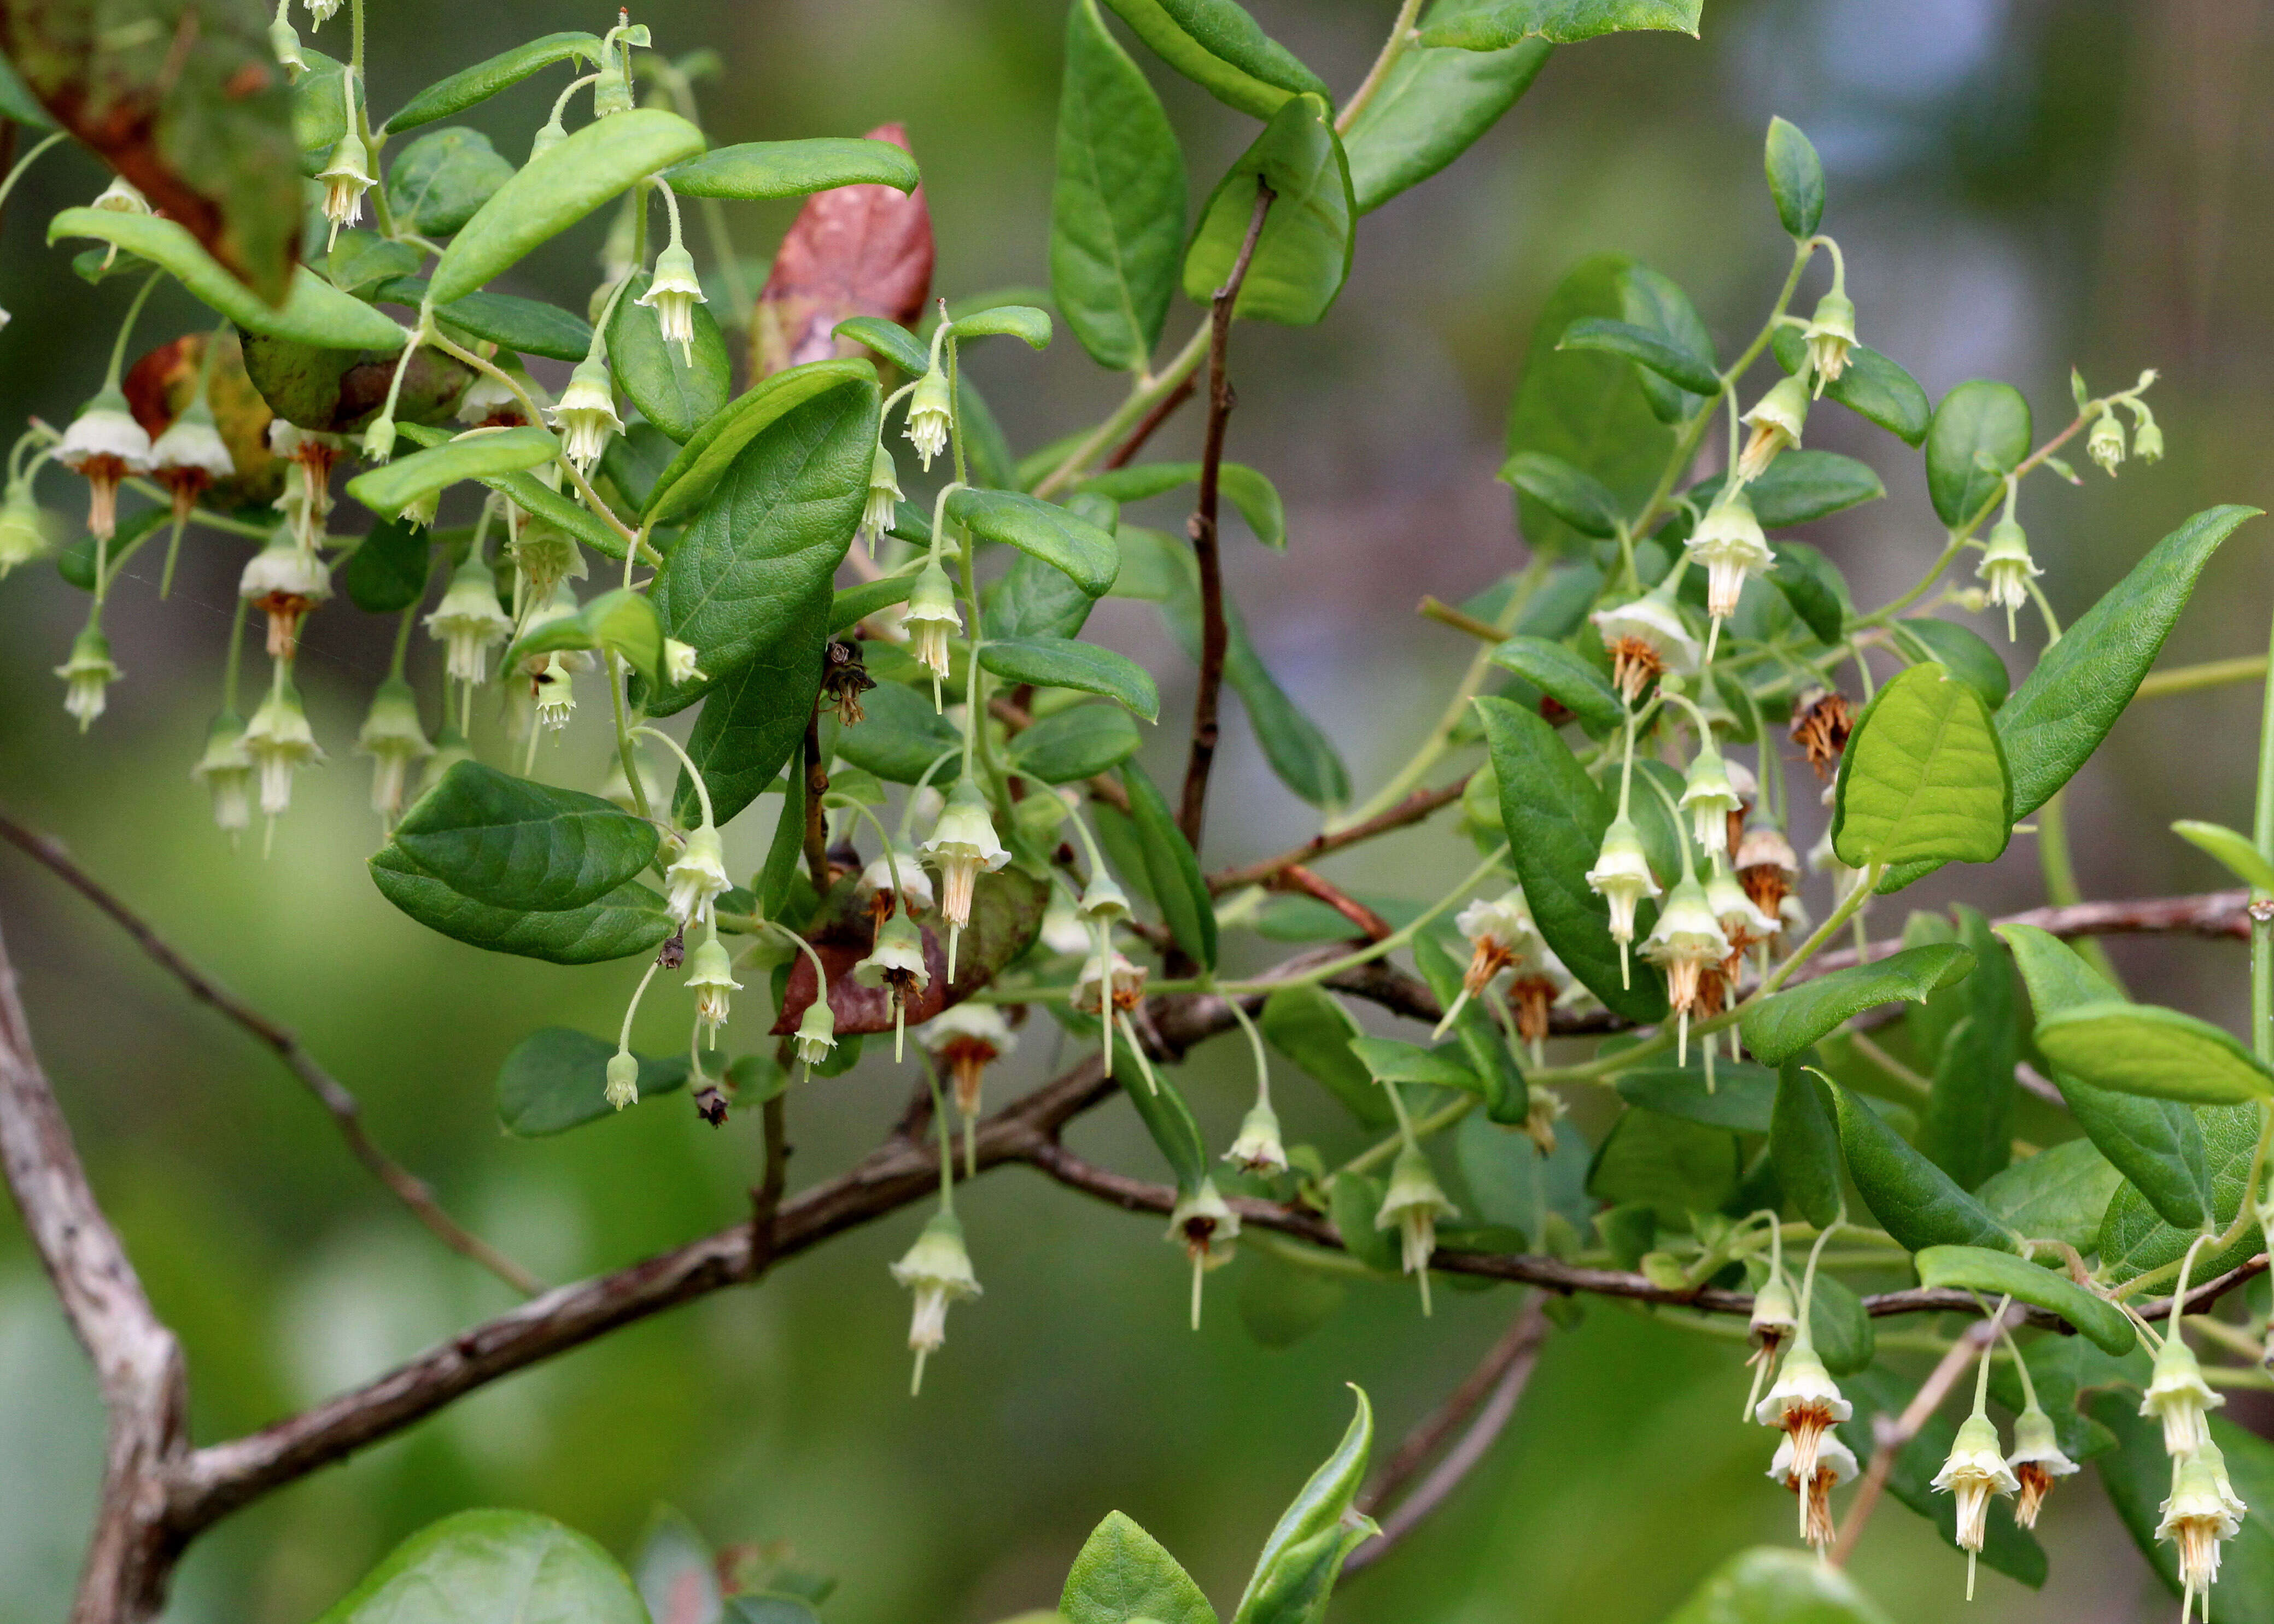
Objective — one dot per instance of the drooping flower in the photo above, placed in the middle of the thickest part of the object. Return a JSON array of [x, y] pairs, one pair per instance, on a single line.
[[190, 456], [1740, 917], [931, 412], [586, 415], [103, 445], [1622, 878], [1686, 940], [2178, 1397], [696, 877], [346, 178], [2007, 567], [1710, 796], [1543, 1109], [2036, 1462], [1645, 637], [896, 963], [1063, 931], [281, 742], [1973, 1471], [393, 736], [1257, 1148], [554, 689], [710, 978], [1205, 1226], [673, 293], [932, 621], [23, 538], [469, 621], [1533, 992], [2201, 1511], [2104, 442], [1729, 543], [87, 675], [816, 1030], [226, 770], [1835, 1464], [1500, 933], [284, 43], [1766, 867], [884, 496], [1091, 989], [1775, 1317], [284, 582], [1776, 421], [962, 845], [679, 663], [1804, 1401], [122, 197], [1831, 338], [623, 1079], [939, 1270], [1412, 1206], [965, 1039], [876, 883]]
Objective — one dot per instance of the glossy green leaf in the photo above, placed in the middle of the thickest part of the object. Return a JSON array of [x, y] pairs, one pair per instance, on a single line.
[[1580, 499], [391, 487], [1066, 662], [628, 920], [705, 458], [1924, 776], [1255, 497], [1656, 303], [1034, 599], [1077, 744], [1913, 1200], [1796, 179], [440, 181], [1841, 1328], [771, 534], [1644, 348], [2138, 1478], [1391, 1061], [677, 397], [1173, 872], [1870, 386], [1675, 1167], [855, 604], [1980, 434], [2059, 1194], [1959, 651], [555, 191], [1281, 1303], [468, 86], [1967, 1127], [621, 623], [527, 326], [319, 115], [1311, 1028], [1555, 817], [2147, 1049], [359, 260], [1027, 323], [1432, 107], [315, 313], [1562, 22], [1879, 1392], [1564, 677], [1811, 584], [751, 723], [540, 501], [1801, 486], [510, 843], [1767, 1585], [1220, 47], [1583, 408], [1161, 1107], [2156, 1144], [2234, 849], [1305, 1551], [2133, 1239], [388, 571], [1303, 256], [556, 1079], [1742, 1097], [1051, 533], [890, 340], [900, 734], [1121, 1574], [756, 169], [2001, 1274], [1804, 1144], [1779, 1027], [492, 1568]]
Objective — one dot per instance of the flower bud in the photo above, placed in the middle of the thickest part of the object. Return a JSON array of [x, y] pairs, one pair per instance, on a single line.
[[393, 737], [939, 1270], [1258, 1149], [23, 536], [623, 1079], [2104, 442], [586, 415], [2147, 439], [1830, 336], [817, 1029], [86, 676], [1411, 1206], [930, 411], [281, 742], [710, 978]]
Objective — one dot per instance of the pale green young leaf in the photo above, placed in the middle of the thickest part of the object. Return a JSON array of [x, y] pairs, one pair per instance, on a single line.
[[1433, 106], [1122, 1574], [1303, 254], [1066, 662], [2234, 849], [1562, 22], [1980, 434], [2145, 1049], [752, 171], [1222, 49], [1924, 776], [1780, 1026], [492, 1568], [1795, 178]]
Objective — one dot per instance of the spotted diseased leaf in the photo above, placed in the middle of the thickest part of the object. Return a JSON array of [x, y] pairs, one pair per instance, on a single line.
[[1006, 916], [853, 250], [184, 99]]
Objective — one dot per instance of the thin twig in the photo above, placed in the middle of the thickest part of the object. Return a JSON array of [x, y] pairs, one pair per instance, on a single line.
[[816, 785], [1296, 879], [1412, 810], [1153, 419], [766, 1200], [346, 1110], [1215, 638]]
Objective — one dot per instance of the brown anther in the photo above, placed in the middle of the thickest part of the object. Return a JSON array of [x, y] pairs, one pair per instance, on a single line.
[[285, 611], [673, 953], [1529, 997], [1821, 722], [844, 678], [1769, 885], [1487, 961], [1634, 663], [967, 1059], [184, 486]]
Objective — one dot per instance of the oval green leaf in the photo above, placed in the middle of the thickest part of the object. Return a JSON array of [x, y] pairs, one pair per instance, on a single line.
[[1076, 744], [1779, 1027], [1870, 386], [441, 181], [2145, 1048], [899, 736], [527, 326], [1220, 47], [491, 1566], [1122, 1573], [623, 622], [1643, 348], [509, 843], [1025, 322], [1580, 499], [756, 169], [1173, 874], [1980, 434], [1432, 107], [1915, 1202], [2001, 1274], [676, 396], [627, 920], [754, 719], [1066, 662], [1795, 178], [392, 486], [1303, 256], [1924, 776], [704, 460], [1961, 651], [1564, 677], [482, 80], [1044, 529], [556, 1079]]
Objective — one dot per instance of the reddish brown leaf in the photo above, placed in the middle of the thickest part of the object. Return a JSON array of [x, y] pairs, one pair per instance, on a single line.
[[1006, 916], [853, 250], [160, 385]]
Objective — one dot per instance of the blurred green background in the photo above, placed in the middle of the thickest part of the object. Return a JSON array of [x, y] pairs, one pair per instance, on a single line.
[[2020, 184]]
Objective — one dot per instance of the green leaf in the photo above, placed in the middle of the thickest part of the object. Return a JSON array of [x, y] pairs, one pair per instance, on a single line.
[[1643, 348], [1076, 744], [2001, 1274], [1656, 304], [1562, 22], [1255, 497], [1804, 1144], [2145, 1049], [1913, 1200], [1432, 107], [771, 534], [1870, 386], [1050, 533], [1841, 1328], [1303, 256], [1924, 776], [890, 340], [509, 843], [315, 313], [1580, 499], [1564, 677], [1281, 1303], [1780, 1026], [1027, 323], [622, 623], [1478, 1037], [751, 724], [2135, 1239], [1961, 651], [468, 86], [758, 169], [705, 458], [1796, 179], [1583, 408], [1813, 585], [899, 734], [557, 1079], [440, 181], [1033, 599], [626, 921], [1389, 1061], [1980, 434], [1801, 486], [1766, 1585], [2060, 1194], [492, 1568], [1305, 1551], [855, 604], [360, 259], [1172, 871], [1555, 817], [1966, 1128], [2138, 1479], [1743, 1097], [392, 486], [1066, 662], [2008, 1549], [1161, 1107], [1121, 1574], [1311, 1028], [772, 1607], [1302, 756], [17, 100], [555, 191], [528, 327], [1219, 47], [2234, 849], [386, 573], [677, 397], [1676, 1167]]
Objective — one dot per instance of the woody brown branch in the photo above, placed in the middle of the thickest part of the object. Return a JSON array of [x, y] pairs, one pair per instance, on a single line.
[[1412, 810]]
